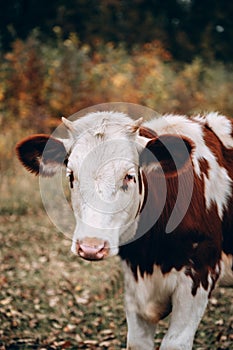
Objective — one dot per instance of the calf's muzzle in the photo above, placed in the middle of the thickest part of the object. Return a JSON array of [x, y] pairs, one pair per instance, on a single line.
[[92, 248]]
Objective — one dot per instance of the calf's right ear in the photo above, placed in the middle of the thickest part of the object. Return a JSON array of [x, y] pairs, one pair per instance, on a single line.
[[41, 154]]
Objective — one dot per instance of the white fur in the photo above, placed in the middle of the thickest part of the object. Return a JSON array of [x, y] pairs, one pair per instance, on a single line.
[[187, 312], [220, 125], [182, 126], [150, 296], [218, 183], [102, 155], [49, 169], [217, 188]]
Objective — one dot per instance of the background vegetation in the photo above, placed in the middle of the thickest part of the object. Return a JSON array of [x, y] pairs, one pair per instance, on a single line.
[[186, 28], [57, 57]]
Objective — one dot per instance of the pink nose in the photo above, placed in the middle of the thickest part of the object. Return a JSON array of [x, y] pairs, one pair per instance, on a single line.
[[91, 248]]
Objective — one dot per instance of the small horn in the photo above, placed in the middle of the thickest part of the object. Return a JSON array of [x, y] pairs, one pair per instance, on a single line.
[[136, 125], [68, 124]]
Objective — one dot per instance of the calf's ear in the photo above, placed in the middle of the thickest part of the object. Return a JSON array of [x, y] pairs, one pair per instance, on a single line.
[[171, 152], [41, 154]]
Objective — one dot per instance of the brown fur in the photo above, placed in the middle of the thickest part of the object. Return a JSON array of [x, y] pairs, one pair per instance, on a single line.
[[196, 243]]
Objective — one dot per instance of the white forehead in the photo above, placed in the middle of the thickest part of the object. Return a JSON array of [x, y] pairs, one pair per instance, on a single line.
[[109, 122], [103, 140]]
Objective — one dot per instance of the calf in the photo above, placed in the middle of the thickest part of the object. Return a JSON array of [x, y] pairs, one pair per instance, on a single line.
[[159, 194]]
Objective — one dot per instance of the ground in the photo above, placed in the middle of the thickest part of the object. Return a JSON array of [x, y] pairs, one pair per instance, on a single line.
[[50, 299]]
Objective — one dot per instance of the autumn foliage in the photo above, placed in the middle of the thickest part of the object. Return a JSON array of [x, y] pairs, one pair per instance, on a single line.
[[40, 81]]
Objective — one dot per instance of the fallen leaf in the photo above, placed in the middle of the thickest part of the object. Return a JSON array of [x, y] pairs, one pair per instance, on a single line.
[[6, 301]]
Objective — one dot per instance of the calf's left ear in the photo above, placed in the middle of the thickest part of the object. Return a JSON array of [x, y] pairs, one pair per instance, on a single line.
[[41, 154], [172, 152]]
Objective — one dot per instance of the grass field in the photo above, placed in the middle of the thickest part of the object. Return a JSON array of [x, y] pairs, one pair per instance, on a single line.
[[50, 299]]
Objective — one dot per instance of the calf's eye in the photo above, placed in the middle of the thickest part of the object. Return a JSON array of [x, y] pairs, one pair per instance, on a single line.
[[70, 175], [128, 178], [71, 178]]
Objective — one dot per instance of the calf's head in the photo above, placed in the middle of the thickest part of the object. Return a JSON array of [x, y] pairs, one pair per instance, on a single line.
[[101, 156]]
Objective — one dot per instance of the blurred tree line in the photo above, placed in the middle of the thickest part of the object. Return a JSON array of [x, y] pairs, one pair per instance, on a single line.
[[186, 28], [60, 56]]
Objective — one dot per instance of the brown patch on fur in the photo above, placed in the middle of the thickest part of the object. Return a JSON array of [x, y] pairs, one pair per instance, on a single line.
[[139, 182], [145, 191], [225, 159], [195, 243], [214, 144], [204, 167], [148, 133]]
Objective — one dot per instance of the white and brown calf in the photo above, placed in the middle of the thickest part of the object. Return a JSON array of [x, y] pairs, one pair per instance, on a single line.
[[159, 194]]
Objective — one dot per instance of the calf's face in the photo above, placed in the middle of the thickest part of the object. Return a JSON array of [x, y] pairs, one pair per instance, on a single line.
[[105, 180], [101, 156]]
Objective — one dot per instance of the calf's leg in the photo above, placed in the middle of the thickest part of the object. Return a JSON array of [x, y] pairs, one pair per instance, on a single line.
[[187, 312], [140, 332]]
